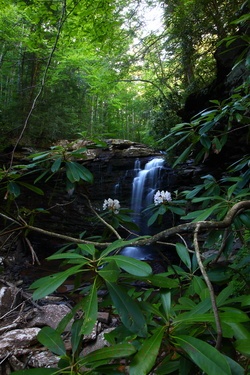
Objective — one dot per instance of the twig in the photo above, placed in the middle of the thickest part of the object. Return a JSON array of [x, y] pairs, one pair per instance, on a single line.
[[210, 287], [33, 253], [101, 219]]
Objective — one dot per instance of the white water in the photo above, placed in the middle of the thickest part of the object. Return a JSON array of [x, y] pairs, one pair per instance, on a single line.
[[145, 184]]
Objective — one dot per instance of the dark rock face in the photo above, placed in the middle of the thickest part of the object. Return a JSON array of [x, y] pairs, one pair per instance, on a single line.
[[69, 214]]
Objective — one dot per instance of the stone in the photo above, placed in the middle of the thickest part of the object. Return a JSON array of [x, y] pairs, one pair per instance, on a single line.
[[100, 343], [16, 341], [9, 299], [50, 315], [44, 359]]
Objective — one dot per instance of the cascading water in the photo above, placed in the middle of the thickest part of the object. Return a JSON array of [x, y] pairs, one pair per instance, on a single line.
[[145, 183]]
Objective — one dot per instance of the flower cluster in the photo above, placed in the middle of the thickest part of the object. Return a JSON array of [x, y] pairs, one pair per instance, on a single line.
[[162, 197], [112, 205]]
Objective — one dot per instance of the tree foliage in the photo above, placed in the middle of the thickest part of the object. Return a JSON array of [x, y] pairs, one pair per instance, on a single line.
[[194, 317]]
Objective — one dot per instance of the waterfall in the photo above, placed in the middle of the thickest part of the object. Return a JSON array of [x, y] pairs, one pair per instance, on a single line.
[[145, 183]]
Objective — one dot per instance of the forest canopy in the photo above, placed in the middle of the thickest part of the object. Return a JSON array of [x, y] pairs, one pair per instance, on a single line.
[[95, 67]]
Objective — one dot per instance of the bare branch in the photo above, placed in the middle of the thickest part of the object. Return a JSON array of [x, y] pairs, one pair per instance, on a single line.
[[182, 228], [210, 287]]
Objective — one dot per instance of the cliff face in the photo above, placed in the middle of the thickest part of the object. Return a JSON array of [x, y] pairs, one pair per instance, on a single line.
[[68, 212]]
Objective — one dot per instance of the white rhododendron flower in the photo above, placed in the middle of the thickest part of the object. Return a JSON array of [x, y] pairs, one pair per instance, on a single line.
[[112, 205], [162, 197]]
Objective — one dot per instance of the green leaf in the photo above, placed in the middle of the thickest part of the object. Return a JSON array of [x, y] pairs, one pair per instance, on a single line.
[[176, 210], [133, 266], [128, 309], [116, 351], [198, 285], [206, 357], [224, 295], [14, 189], [153, 218], [110, 272], [205, 141], [243, 346], [40, 155], [118, 244], [48, 284], [50, 338], [163, 281], [87, 248], [36, 371], [166, 303], [145, 359], [76, 172], [71, 172], [184, 155], [32, 188], [90, 308], [183, 253], [56, 165], [201, 215], [68, 256], [236, 369], [234, 316], [192, 193], [83, 172], [245, 301]]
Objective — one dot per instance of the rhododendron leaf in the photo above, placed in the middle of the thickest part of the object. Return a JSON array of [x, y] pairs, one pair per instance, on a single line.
[[128, 309], [36, 371], [133, 266], [205, 356], [90, 308], [52, 340], [48, 284], [145, 359]]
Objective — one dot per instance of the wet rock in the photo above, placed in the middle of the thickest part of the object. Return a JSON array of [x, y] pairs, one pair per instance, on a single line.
[[44, 359], [9, 298], [16, 342], [100, 342], [50, 315]]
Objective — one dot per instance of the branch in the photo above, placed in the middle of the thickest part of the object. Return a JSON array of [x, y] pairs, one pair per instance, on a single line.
[[190, 227], [182, 228], [210, 287], [101, 219]]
